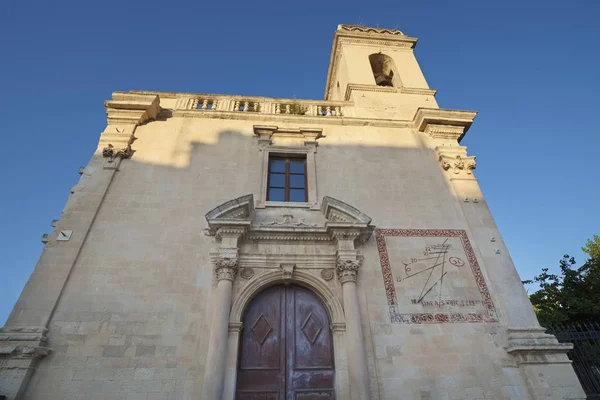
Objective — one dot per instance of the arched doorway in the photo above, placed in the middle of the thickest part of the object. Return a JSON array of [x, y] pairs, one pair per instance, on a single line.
[[286, 349]]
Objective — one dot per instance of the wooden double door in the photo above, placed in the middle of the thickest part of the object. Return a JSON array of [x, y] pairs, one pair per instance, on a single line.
[[286, 349]]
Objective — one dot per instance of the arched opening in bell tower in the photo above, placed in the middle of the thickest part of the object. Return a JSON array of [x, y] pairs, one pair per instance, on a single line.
[[384, 70]]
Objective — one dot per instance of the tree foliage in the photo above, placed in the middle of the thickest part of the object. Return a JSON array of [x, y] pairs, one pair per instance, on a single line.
[[573, 295]]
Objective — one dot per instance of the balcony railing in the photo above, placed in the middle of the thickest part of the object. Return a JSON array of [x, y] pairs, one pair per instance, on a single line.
[[262, 105]]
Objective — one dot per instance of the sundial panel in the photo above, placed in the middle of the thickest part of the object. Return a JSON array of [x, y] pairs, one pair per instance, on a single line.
[[432, 276]]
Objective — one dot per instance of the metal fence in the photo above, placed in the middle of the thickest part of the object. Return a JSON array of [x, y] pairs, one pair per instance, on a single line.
[[585, 355]]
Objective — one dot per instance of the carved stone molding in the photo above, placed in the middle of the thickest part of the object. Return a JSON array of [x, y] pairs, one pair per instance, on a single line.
[[347, 269], [23, 333], [361, 87], [23, 342], [337, 327], [235, 327], [445, 131], [288, 220], [265, 135], [24, 351]]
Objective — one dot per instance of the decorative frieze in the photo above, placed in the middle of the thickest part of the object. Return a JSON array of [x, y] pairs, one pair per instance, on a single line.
[[443, 124], [445, 131]]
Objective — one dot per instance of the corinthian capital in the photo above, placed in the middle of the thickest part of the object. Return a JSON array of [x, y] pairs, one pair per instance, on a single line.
[[347, 269], [226, 268]]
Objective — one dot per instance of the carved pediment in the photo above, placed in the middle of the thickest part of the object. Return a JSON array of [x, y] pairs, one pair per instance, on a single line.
[[337, 211], [335, 219], [236, 212]]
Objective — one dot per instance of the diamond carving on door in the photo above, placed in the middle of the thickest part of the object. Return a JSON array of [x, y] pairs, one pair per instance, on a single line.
[[311, 328], [287, 352], [261, 329]]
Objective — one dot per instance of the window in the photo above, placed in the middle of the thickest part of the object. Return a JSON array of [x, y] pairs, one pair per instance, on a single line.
[[287, 179]]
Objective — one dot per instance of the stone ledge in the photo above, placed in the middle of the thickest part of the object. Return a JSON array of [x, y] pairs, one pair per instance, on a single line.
[[534, 346], [128, 108]]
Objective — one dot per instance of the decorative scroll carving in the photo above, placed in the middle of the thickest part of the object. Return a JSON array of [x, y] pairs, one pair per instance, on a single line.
[[288, 220], [112, 152], [327, 274], [347, 270], [226, 268]]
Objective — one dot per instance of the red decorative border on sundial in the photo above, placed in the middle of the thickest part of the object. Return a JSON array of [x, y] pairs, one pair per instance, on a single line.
[[432, 318]]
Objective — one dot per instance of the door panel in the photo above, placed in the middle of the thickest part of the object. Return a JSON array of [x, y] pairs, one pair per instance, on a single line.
[[286, 352]]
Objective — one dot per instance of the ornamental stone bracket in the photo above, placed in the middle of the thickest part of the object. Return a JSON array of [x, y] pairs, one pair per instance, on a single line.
[[132, 109], [534, 346], [442, 124], [124, 113]]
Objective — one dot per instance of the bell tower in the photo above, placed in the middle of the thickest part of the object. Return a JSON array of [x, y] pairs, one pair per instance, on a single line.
[[376, 69]]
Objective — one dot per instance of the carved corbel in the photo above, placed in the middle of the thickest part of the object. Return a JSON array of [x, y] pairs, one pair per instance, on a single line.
[[264, 133], [310, 137], [287, 270]]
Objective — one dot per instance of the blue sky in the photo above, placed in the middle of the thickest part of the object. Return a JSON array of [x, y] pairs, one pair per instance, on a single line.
[[529, 67]]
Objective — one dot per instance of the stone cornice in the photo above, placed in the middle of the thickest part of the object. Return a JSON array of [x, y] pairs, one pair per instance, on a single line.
[[132, 109], [386, 89], [438, 121]]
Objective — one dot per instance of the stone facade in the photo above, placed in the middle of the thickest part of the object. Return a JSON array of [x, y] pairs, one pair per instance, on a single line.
[[140, 290]]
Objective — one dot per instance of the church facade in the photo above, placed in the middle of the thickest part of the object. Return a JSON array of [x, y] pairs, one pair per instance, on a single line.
[[241, 247]]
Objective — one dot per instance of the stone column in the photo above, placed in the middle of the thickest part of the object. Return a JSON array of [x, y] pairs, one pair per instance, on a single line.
[[226, 266], [216, 358], [348, 264]]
